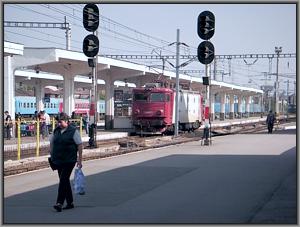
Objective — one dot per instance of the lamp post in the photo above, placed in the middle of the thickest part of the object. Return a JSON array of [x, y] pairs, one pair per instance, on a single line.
[[278, 50]]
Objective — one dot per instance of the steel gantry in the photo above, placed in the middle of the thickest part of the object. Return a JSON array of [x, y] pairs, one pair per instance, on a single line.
[[65, 26], [226, 56]]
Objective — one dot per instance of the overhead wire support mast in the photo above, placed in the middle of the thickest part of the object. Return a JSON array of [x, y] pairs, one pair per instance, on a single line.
[[65, 26]]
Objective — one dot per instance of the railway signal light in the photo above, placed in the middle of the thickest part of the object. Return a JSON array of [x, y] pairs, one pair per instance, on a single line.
[[206, 52], [90, 45], [205, 80], [206, 25], [91, 17]]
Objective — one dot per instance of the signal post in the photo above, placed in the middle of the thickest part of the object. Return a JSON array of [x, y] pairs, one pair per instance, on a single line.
[[206, 54], [90, 49]]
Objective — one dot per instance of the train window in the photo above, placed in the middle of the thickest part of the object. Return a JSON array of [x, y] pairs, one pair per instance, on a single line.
[[140, 97], [24, 105], [28, 105], [51, 105], [168, 98], [31, 105], [157, 97], [34, 105], [20, 104]]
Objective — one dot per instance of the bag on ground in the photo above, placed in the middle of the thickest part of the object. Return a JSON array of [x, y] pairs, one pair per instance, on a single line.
[[79, 182]]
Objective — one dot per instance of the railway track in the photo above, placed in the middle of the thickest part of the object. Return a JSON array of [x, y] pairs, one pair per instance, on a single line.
[[130, 144]]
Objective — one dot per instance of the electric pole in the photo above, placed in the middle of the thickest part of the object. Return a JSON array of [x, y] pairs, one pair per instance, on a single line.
[[278, 50], [177, 84]]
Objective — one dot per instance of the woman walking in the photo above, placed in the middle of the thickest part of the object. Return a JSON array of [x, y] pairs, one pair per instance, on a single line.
[[65, 144]]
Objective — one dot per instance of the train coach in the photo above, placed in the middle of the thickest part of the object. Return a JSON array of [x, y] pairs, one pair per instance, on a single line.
[[26, 106], [153, 110]]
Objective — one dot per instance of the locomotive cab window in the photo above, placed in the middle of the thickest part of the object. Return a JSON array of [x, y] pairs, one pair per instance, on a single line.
[[168, 97], [157, 97], [140, 97]]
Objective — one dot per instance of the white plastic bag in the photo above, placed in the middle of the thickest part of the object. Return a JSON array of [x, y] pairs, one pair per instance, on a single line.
[[79, 182]]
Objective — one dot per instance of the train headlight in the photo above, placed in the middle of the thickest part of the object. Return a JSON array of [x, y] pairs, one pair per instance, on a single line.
[[159, 112], [137, 111]]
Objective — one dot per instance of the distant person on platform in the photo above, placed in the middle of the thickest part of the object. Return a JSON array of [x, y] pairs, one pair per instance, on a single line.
[[270, 121], [64, 146], [48, 122], [85, 120], [8, 124]]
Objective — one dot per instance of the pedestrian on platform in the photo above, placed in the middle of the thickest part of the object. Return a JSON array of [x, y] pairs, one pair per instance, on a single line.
[[48, 122], [270, 121], [64, 145], [35, 115], [85, 120], [8, 124], [43, 126]]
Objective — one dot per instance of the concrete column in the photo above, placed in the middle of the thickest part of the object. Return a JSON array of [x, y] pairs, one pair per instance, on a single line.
[[68, 99], [248, 100], [109, 102], [9, 87], [231, 104], [240, 106], [39, 94], [222, 110], [262, 105], [212, 107]]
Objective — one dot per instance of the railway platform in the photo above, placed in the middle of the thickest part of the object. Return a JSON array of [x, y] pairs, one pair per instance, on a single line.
[[241, 179]]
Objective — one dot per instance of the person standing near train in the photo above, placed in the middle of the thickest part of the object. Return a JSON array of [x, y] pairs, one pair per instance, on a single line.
[[64, 146], [48, 122], [8, 124], [270, 121], [85, 120]]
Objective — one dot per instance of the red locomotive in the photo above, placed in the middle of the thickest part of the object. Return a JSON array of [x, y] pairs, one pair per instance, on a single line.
[[153, 110]]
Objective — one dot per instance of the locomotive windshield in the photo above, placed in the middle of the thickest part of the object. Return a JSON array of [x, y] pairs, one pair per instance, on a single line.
[[151, 97], [157, 97], [140, 97]]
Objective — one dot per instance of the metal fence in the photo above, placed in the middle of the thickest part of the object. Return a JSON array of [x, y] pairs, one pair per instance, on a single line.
[[36, 129]]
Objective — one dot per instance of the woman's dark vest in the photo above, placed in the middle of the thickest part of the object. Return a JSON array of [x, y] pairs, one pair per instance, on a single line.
[[64, 148]]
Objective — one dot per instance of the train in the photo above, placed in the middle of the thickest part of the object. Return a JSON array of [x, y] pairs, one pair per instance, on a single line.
[[26, 106], [153, 110]]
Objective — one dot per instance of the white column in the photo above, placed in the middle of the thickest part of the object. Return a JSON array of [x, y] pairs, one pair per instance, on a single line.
[[248, 100], [222, 110], [240, 106], [9, 87], [231, 104], [39, 94], [68, 99], [109, 102]]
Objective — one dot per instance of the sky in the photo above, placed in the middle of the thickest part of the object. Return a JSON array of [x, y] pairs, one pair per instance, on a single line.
[[149, 29]]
